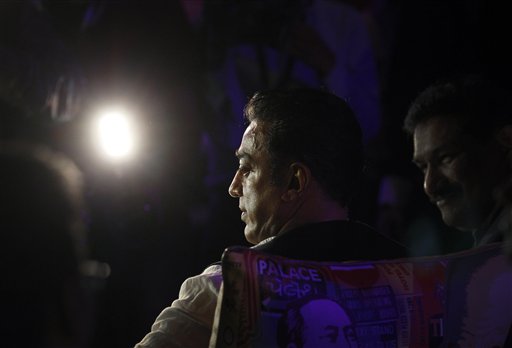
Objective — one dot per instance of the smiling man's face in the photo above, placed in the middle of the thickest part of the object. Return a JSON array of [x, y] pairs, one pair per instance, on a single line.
[[460, 174]]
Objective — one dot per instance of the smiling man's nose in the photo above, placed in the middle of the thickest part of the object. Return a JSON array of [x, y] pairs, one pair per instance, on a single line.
[[429, 182], [433, 181]]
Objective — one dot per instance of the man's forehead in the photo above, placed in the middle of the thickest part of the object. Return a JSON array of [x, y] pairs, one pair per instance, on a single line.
[[251, 129], [249, 140], [437, 134], [428, 130], [453, 126]]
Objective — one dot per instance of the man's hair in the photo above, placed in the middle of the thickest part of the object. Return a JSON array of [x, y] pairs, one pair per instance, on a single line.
[[479, 105], [316, 128]]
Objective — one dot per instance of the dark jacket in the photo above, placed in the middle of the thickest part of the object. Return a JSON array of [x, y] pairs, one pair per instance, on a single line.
[[333, 241]]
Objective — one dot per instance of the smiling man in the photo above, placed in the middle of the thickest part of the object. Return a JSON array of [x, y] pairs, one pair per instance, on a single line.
[[300, 162], [462, 134]]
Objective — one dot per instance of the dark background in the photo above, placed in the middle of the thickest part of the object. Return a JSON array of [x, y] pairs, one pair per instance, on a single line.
[[166, 214]]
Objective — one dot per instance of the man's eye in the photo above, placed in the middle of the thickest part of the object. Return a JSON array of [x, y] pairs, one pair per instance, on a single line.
[[331, 334], [445, 159], [244, 170]]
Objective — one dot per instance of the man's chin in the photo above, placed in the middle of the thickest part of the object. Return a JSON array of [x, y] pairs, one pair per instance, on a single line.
[[249, 235], [456, 220]]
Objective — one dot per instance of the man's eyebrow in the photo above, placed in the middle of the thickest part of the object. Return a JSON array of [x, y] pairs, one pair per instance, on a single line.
[[242, 154], [419, 161], [431, 154], [332, 327]]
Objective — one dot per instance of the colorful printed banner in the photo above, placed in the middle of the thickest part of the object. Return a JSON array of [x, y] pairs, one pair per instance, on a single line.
[[456, 300]]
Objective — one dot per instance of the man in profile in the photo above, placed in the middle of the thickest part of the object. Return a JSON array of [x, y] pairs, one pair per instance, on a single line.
[[300, 162], [462, 134]]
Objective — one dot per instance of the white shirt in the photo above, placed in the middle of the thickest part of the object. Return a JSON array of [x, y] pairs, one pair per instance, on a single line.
[[188, 321]]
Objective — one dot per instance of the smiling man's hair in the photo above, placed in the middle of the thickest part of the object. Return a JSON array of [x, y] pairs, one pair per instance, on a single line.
[[314, 127], [479, 105]]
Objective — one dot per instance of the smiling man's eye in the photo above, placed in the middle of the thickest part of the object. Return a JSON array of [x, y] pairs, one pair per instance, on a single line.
[[445, 159]]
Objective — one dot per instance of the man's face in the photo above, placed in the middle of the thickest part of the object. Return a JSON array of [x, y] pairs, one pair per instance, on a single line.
[[460, 174], [259, 198], [324, 324]]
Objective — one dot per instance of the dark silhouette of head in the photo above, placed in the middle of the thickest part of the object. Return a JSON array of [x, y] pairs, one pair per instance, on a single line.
[[43, 246]]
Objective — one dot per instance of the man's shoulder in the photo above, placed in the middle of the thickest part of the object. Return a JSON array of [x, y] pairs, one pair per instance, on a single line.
[[338, 240], [211, 277]]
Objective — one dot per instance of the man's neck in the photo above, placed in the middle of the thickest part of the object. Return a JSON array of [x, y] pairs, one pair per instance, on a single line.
[[314, 212], [489, 230]]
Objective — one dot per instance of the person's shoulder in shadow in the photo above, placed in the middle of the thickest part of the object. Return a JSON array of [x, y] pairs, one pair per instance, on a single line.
[[43, 248]]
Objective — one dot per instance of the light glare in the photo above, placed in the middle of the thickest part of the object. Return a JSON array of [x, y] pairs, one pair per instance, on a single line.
[[116, 134]]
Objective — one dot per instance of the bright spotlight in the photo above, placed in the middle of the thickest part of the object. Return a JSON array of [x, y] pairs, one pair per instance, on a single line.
[[116, 134]]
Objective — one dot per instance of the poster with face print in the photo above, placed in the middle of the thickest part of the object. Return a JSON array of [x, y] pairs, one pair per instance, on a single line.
[[461, 299]]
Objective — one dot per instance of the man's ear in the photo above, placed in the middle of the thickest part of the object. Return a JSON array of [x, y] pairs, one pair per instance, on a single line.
[[504, 137], [300, 177]]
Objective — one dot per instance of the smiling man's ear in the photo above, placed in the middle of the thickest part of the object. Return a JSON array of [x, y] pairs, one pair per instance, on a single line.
[[299, 180]]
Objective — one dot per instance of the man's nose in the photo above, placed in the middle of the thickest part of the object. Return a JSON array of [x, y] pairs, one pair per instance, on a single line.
[[432, 181], [235, 188]]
